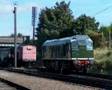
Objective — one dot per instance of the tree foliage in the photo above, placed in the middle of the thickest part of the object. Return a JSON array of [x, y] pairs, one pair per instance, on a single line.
[[58, 21], [106, 35], [18, 35], [55, 22], [106, 30], [84, 23]]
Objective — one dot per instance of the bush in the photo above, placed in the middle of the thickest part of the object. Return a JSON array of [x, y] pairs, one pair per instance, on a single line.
[[103, 61]]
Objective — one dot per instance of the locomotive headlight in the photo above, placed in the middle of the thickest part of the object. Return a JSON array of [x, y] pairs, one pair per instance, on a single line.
[[78, 62], [91, 61], [75, 62]]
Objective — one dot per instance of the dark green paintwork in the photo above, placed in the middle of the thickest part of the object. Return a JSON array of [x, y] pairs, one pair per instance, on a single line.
[[82, 52]]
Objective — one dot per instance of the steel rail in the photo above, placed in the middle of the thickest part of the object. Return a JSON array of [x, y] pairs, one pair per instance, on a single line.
[[84, 79]]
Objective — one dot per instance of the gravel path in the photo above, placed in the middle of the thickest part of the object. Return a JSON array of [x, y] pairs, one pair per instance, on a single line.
[[37, 83]]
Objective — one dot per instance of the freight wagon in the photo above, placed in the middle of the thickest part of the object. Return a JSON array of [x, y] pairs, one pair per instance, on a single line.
[[26, 54]]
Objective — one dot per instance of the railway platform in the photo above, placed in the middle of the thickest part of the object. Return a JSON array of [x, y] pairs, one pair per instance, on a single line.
[[37, 83]]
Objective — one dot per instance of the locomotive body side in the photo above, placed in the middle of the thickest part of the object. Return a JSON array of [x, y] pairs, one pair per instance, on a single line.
[[70, 53]]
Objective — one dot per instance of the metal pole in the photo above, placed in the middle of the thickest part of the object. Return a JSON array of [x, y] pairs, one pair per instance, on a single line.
[[33, 21], [15, 37], [33, 33]]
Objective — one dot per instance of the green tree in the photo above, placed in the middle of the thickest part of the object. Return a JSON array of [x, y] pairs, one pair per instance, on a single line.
[[84, 23], [105, 32], [88, 25], [18, 35], [107, 35], [55, 22]]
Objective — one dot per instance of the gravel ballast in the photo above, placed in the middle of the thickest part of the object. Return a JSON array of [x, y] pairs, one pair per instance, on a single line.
[[37, 83]]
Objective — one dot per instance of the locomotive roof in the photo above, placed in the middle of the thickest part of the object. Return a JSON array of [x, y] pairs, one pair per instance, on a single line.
[[66, 40]]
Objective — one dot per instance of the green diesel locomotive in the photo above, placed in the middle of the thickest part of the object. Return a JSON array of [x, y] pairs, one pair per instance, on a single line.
[[70, 53]]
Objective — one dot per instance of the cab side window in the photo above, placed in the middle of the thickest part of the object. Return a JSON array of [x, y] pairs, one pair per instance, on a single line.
[[74, 45]]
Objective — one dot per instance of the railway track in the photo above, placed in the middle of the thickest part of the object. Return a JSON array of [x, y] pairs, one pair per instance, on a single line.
[[95, 80], [4, 86], [7, 85]]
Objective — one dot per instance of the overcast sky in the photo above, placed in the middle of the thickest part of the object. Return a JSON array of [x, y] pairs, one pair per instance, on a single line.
[[100, 9]]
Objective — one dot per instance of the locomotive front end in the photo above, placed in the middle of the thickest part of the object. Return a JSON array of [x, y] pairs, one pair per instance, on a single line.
[[82, 53]]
